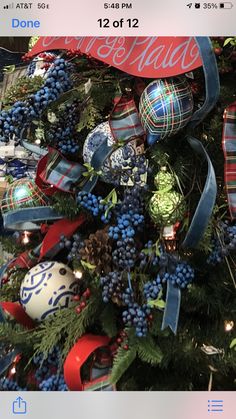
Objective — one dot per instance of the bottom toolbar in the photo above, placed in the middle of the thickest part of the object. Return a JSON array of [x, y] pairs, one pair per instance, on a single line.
[[125, 405]]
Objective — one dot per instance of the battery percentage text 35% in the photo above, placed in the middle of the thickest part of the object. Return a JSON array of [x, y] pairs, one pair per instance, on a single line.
[[210, 6]]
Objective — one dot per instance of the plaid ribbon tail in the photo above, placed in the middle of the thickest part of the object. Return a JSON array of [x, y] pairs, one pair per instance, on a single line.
[[124, 120], [229, 149]]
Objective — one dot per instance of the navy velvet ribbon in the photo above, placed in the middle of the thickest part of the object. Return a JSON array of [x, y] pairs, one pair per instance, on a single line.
[[206, 204], [171, 314]]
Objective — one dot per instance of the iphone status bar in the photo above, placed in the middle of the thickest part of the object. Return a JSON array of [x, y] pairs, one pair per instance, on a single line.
[[90, 18]]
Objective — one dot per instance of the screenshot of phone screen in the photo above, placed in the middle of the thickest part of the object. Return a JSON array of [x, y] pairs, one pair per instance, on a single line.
[[117, 209]]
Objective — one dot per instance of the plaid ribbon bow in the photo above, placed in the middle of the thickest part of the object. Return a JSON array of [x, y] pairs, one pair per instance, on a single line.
[[229, 148], [57, 172]]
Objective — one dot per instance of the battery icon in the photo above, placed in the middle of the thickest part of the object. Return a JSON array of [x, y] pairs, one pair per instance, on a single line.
[[226, 5]]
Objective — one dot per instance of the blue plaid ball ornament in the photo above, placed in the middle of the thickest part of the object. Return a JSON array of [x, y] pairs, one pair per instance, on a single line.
[[166, 106]]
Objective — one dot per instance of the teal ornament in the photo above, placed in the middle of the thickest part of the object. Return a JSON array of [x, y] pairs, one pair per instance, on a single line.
[[166, 106], [24, 206]]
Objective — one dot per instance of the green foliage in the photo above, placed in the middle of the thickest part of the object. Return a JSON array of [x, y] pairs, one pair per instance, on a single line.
[[16, 335], [233, 344], [148, 351], [65, 204], [230, 41], [10, 245], [11, 290], [108, 319], [90, 116], [23, 87], [122, 362], [65, 327]]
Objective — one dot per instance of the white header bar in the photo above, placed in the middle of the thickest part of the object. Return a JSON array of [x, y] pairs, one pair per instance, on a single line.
[[118, 18]]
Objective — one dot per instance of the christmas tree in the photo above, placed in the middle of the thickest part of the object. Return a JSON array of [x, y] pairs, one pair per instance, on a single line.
[[118, 225]]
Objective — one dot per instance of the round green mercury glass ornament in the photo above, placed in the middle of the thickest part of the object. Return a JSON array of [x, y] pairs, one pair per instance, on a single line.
[[166, 208], [164, 180]]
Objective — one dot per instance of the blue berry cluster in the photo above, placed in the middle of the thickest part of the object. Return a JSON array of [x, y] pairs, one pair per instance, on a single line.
[[23, 112], [216, 255], [135, 315], [31, 68], [112, 286], [7, 384], [76, 246], [93, 204], [48, 372], [135, 166], [68, 146], [129, 215], [65, 243], [53, 383], [148, 255], [152, 289], [125, 254], [181, 277], [63, 133], [225, 244]]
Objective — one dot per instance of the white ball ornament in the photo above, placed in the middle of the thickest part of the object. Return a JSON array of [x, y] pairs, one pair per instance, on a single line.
[[46, 288]]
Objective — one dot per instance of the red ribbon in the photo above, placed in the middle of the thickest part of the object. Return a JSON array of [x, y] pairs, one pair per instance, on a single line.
[[78, 355], [52, 238], [18, 313], [49, 248]]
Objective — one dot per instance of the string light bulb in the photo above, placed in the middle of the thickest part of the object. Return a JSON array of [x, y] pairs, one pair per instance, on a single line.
[[25, 239], [78, 274], [229, 325], [38, 141], [13, 370]]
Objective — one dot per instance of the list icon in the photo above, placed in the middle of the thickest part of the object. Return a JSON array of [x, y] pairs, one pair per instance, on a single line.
[[215, 406]]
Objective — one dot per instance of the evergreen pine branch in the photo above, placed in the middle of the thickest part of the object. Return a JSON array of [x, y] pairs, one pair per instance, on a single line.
[[148, 351], [122, 362], [155, 329], [10, 245], [108, 319], [11, 290], [65, 327], [66, 205], [90, 117], [15, 335]]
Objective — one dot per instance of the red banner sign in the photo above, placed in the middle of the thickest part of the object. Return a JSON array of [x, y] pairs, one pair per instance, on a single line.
[[152, 57]]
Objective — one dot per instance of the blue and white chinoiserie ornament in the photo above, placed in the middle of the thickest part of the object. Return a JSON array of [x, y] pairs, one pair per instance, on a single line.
[[46, 288], [115, 164], [166, 106]]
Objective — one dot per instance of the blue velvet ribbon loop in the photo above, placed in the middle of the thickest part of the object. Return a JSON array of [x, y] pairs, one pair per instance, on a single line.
[[206, 204]]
